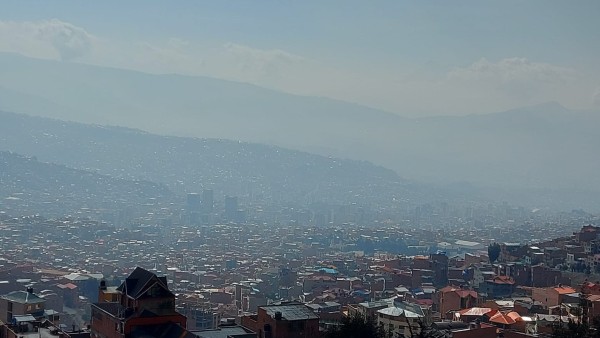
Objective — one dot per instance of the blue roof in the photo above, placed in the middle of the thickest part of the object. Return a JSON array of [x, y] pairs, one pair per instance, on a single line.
[[326, 270]]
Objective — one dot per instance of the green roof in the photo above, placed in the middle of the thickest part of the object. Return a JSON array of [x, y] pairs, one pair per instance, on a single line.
[[23, 297]]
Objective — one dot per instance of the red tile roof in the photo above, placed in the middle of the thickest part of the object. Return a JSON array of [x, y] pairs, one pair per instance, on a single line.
[[462, 293], [501, 318], [515, 316], [564, 290], [594, 298]]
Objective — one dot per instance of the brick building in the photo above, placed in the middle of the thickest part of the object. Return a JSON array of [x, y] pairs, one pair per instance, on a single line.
[[498, 287], [142, 306], [288, 320], [551, 296], [21, 303], [453, 299]]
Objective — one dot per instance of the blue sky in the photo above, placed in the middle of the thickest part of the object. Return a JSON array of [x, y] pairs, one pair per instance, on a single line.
[[414, 58]]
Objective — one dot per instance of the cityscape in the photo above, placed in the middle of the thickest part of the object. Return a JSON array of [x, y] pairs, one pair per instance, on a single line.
[[269, 169], [228, 272]]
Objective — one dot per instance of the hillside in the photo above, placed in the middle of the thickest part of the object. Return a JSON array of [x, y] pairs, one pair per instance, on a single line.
[[28, 185], [179, 105], [267, 173], [545, 147]]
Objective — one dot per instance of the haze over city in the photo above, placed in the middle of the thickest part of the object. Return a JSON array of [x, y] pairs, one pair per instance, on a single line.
[[299, 169]]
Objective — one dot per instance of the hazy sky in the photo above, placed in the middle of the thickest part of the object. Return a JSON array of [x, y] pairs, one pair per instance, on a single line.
[[411, 57]]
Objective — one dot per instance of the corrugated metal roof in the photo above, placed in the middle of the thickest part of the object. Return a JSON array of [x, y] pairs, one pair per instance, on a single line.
[[23, 297], [291, 312], [25, 318], [475, 311]]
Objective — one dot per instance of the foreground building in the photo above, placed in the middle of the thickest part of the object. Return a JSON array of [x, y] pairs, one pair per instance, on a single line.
[[142, 306], [287, 320], [23, 313]]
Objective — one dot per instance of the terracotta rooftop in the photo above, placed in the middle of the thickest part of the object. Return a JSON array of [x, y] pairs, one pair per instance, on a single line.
[[501, 318], [462, 293], [515, 316], [564, 290]]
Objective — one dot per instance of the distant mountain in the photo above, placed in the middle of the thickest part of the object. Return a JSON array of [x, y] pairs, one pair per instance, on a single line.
[[544, 147], [177, 105], [27, 185], [260, 172]]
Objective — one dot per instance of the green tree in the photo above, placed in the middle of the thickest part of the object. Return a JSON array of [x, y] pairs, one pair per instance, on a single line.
[[357, 327], [493, 252], [575, 329], [572, 329]]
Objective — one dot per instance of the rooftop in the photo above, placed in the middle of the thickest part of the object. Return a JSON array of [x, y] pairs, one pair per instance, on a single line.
[[398, 312], [222, 332], [23, 297], [291, 311]]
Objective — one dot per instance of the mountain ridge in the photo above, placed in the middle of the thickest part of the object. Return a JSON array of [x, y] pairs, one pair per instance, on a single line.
[[31, 186], [536, 147], [191, 164]]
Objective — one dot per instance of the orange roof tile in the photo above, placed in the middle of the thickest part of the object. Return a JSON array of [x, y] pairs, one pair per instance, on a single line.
[[515, 316], [500, 318], [466, 293], [594, 298], [564, 290], [71, 286], [462, 293]]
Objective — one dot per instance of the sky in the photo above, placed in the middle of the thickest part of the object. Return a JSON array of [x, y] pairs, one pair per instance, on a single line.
[[413, 58]]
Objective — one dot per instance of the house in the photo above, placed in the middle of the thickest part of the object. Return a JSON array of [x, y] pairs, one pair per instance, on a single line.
[[144, 306], [544, 276], [474, 313], [23, 312], [593, 306], [498, 287], [285, 320], [368, 310], [453, 299], [590, 288], [400, 321], [21, 303], [552, 296]]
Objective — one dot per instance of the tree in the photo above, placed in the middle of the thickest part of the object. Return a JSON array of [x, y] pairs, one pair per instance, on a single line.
[[357, 326], [493, 252], [577, 329]]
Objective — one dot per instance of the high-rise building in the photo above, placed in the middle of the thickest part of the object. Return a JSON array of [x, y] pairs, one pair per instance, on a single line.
[[193, 202], [193, 207], [231, 208], [208, 201]]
